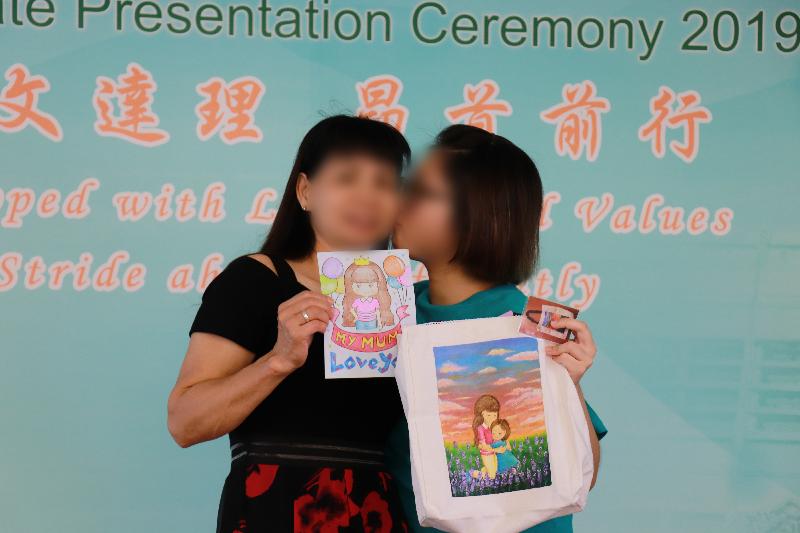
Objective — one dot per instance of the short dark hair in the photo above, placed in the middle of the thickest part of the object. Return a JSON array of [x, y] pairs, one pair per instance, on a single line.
[[291, 235], [498, 203], [503, 423]]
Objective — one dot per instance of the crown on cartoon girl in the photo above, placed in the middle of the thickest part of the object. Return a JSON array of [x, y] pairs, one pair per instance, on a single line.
[[361, 261]]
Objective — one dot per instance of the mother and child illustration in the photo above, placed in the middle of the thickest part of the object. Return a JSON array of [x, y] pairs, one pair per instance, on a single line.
[[492, 416], [491, 438]]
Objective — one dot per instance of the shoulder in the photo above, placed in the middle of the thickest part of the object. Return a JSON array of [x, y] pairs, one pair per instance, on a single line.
[[253, 264], [240, 304], [246, 274], [420, 287], [512, 297], [501, 299]]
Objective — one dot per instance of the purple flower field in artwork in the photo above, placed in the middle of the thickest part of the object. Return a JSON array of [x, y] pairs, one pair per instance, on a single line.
[[532, 471]]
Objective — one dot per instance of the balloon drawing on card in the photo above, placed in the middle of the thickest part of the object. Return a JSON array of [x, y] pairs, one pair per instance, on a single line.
[[373, 297]]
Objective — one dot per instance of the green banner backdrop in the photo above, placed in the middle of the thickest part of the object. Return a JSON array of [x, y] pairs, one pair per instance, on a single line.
[[144, 144]]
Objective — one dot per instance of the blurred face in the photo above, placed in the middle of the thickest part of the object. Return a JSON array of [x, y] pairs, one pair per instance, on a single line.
[[424, 224], [352, 200], [489, 417]]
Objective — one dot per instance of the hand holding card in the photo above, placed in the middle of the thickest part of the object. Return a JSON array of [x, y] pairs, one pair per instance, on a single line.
[[575, 355], [573, 346], [537, 318], [299, 318]]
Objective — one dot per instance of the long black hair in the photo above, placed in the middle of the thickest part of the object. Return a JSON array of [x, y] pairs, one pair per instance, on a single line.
[[291, 235]]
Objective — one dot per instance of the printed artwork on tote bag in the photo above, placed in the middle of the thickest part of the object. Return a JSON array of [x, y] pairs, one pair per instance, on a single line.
[[372, 295], [492, 416]]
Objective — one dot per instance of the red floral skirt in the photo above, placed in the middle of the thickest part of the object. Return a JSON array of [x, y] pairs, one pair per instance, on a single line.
[[266, 497]]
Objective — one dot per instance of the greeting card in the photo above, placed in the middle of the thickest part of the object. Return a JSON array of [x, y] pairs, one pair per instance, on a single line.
[[373, 297]]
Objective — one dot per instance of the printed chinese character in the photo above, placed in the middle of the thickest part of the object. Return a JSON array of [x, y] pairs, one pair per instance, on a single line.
[[228, 108], [689, 114], [133, 93], [19, 103], [577, 120], [378, 97], [479, 107]]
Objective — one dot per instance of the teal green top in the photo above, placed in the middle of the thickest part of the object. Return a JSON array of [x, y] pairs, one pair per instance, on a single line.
[[489, 303]]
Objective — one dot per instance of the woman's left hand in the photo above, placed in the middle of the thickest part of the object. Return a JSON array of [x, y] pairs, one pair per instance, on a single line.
[[576, 355]]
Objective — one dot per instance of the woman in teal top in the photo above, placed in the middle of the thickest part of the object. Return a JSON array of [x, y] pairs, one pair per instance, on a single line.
[[471, 216]]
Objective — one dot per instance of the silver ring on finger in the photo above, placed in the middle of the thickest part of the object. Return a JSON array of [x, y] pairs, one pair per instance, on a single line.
[[305, 316]]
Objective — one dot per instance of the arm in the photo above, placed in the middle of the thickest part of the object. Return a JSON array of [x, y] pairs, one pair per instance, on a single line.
[[577, 357], [592, 436], [482, 444], [220, 384]]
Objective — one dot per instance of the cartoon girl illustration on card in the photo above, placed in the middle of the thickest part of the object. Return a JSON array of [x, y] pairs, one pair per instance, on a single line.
[[367, 303], [486, 411]]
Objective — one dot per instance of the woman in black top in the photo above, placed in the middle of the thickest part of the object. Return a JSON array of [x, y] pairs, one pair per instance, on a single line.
[[306, 452]]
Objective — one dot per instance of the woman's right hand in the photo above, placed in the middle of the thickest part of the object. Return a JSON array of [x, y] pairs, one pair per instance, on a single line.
[[220, 385], [295, 333]]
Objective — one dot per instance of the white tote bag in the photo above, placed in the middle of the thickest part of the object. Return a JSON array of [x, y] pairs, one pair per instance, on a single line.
[[498, 437]]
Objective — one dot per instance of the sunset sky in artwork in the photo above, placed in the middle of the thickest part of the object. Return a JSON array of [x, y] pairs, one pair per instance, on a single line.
[[508, 369]]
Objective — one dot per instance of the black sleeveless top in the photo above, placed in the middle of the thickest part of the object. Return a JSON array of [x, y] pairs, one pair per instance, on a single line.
[[241, 304]]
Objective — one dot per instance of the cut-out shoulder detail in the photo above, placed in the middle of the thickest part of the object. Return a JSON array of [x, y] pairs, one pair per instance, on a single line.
[[279, 271], [264, 260]]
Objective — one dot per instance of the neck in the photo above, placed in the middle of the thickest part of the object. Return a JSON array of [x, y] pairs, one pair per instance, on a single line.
[[449, 284]]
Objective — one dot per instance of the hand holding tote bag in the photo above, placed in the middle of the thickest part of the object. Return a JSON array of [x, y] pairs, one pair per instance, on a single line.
[[498, 437]]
